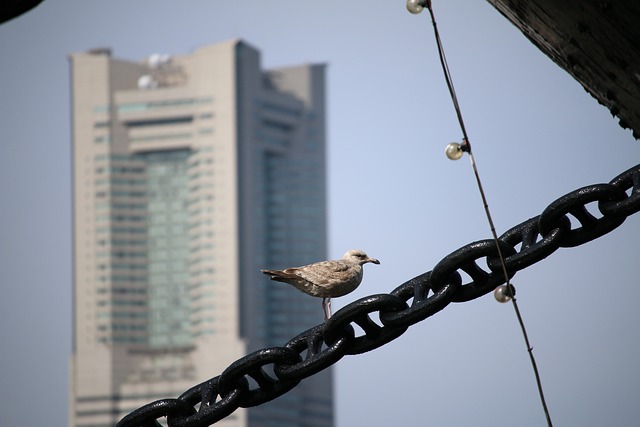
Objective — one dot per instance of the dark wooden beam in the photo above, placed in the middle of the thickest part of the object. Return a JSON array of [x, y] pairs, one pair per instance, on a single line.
[[13, 8], [596, 41]]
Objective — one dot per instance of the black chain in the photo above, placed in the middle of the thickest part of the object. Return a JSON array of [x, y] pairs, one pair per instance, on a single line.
[[325, 344]]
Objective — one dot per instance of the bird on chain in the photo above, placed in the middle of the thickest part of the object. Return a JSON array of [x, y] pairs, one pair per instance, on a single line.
[[326, 279]]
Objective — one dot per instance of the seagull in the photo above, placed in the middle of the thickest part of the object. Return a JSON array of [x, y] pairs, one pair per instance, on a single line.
[[326, 279]]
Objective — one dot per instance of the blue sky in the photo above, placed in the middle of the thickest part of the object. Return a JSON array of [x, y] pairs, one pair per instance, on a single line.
[[536, 136]]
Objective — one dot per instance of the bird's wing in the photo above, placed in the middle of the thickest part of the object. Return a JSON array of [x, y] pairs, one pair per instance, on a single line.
[[322, 273]]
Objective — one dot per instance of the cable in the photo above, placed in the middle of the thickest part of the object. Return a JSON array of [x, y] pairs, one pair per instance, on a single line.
[[466, 146]]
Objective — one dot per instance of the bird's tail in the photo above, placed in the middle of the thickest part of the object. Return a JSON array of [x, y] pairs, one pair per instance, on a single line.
[[279, 275]]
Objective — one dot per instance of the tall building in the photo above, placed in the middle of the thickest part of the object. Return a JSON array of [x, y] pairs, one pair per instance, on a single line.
[[190, 174]]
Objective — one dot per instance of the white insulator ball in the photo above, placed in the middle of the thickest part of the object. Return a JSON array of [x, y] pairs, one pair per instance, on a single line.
[[503, 295], [454, 151], [414, 6]]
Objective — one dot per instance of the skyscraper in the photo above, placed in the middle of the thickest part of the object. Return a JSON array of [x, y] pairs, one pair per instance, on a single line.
[[190, 173]]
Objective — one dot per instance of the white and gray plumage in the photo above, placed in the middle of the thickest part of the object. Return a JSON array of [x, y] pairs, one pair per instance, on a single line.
[[326, 279]]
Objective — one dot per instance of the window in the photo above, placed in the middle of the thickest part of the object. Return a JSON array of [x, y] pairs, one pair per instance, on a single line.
[[168, 103], [160, 122]]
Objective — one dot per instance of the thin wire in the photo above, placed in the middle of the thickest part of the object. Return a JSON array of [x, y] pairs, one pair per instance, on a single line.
[[467, 147]]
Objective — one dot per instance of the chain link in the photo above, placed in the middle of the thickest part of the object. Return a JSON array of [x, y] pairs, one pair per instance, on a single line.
[[268, 373]]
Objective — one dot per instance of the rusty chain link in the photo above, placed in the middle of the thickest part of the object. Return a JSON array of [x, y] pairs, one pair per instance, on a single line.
[[325, 344]]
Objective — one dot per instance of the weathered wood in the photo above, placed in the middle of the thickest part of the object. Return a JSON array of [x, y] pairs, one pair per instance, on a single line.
[[596, 41], [13, 8]]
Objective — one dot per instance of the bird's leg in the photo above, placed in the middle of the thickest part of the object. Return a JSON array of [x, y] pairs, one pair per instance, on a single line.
[[326, 307]]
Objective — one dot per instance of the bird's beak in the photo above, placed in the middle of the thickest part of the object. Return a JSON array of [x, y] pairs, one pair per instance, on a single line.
[[373, 260]]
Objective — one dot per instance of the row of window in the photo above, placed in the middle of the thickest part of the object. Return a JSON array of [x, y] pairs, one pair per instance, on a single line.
[[160, 122], [138, 181], [121, 254], [122, 327], [290, 111], [121, 218], [99, 158], [123, 291], [200, 174], [122, 242], [167, 235], [121, 230], [122, 314], [202, 271], [312, 143], [201, 259], [277, 126], [121, 181], [137, 159], [121, 303], [121, 267], [102, 206], [167, 205], [198, 321], [175, 274], [205, 333], [125, 339], [102, 139], [203, 186], [202, 247], [106, 139], [118, 193], [121, 169], [167, 260], [198, 162], [153, 122], [161, 137], [168, 103], [198, 211], [165, 221], [205, 198], [157, 268], [120, 397], [119, 278], [199, 284]]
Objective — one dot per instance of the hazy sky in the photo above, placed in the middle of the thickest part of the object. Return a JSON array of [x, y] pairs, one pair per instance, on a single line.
[[536, 136]]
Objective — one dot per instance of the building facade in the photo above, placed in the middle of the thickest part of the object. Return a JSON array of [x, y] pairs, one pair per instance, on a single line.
[[190, 174]]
